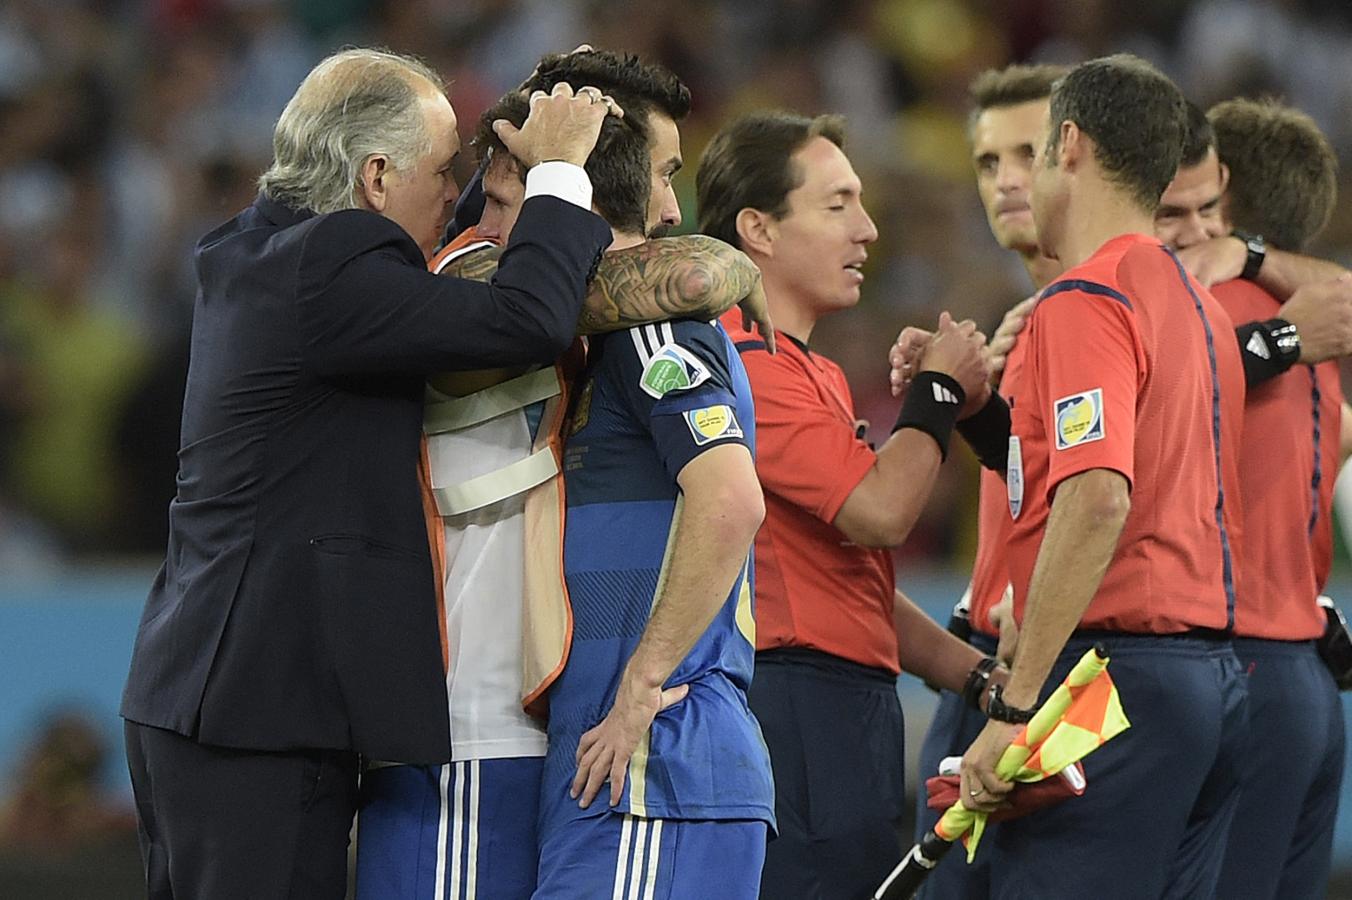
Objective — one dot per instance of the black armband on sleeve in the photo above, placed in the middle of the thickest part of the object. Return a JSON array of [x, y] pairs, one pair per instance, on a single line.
[[1267, 348], [987, 433], [932, 406]]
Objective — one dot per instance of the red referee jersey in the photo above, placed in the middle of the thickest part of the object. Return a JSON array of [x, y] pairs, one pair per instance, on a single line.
[[1132, 366], [1287, 467], [814, 588], [990, 573]]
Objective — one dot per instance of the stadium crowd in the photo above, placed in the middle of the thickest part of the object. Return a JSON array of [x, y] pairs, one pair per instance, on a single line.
[[293, 636], [131, 129]]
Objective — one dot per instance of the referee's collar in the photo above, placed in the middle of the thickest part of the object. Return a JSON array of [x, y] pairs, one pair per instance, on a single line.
[[797, 343]]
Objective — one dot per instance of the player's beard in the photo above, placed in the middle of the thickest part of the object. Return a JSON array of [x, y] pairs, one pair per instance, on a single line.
[[659, 230]]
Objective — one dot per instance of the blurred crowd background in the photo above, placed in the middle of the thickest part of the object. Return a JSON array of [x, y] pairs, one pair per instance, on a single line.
[[128, 129]]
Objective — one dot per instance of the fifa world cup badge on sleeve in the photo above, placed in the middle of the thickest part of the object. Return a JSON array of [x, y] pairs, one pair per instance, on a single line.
[[1014, 476], [711, 423], [1079, 419], [672, 368]]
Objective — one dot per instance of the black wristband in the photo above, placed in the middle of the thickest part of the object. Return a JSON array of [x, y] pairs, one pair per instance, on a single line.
[[987, 433], [1267, 349], [932, 406], [977, 681], [1255, 251], [1000, 711]]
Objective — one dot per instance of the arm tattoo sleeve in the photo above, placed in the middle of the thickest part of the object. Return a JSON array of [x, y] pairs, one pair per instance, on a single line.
[[477, 266], [691, 276]]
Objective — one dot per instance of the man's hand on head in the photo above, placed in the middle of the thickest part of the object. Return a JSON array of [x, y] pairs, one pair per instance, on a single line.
[[562, 125]]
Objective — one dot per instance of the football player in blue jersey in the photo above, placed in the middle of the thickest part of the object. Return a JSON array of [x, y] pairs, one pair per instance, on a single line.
[[657, 782], [471, 828]]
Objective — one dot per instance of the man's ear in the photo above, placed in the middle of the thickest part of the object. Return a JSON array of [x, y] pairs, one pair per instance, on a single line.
[[1070, 151], [757, 231], [373, 182], [1225, 177]]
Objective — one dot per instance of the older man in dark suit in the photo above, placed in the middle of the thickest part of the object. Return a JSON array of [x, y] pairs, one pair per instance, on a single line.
[[293, 625]]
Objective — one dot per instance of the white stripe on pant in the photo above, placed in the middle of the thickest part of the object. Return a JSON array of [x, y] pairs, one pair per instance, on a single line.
[[639, 880], [463, 826]]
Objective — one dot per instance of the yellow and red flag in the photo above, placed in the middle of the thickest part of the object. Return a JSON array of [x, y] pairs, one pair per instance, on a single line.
[[1082, 714]]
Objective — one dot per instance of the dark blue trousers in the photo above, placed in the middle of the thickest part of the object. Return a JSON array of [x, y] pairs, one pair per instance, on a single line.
[[1154, 819], [1282, 837], [835, 732], [954, 726]]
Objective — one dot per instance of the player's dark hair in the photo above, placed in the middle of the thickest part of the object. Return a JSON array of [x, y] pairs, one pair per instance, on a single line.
[[1200, 137], [1283, 173], [749, 165], [1136, 117]]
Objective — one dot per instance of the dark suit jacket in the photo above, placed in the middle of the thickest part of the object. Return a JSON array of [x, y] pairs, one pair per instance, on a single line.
[[296, 606]]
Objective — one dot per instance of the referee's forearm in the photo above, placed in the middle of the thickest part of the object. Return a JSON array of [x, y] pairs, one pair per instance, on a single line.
[[929, 651]]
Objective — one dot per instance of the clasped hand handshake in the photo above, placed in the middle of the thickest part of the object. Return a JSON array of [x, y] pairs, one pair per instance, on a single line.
[[956, 349]]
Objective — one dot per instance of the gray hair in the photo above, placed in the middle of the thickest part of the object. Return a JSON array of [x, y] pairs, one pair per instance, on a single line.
[[354, 104]]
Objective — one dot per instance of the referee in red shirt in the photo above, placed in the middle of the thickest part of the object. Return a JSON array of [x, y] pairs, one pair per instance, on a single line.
[[832, 631], [1122, 479], [1276, 176]]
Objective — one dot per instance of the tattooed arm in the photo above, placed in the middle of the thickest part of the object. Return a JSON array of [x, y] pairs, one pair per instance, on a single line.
[[692, 276]]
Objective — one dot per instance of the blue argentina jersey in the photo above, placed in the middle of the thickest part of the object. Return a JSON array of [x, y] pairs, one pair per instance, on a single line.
[[653, 399]]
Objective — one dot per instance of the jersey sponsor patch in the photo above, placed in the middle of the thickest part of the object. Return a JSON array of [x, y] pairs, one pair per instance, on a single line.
[[1079, 419], [672, 368], [712, 423]]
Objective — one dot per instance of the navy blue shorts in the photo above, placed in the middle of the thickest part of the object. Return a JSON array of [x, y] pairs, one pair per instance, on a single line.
[[1154, 819], [835, 734], [954, 726], [1282, 838], [451, 832]]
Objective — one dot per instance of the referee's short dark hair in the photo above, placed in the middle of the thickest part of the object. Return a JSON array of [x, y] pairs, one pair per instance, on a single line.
[[1136, 117], [1283, 173], [749, 165]]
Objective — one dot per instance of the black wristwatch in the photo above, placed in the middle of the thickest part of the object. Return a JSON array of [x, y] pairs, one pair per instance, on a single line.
[[1000, 711], [1256, 251]]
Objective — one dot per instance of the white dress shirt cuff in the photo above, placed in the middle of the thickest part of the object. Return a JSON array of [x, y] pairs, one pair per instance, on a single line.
[[564, 180]]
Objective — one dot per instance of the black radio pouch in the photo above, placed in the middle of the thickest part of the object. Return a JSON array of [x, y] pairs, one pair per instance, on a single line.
[[1335, 646]]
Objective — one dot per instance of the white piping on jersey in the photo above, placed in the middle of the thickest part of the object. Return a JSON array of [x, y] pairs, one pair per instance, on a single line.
[[640, 344], [648, 339], [468, 248]]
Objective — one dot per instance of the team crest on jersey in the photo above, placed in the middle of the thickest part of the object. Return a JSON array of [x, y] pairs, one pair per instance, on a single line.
[[1079, 419], [582, 409], [712, 423], [672, 368]]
